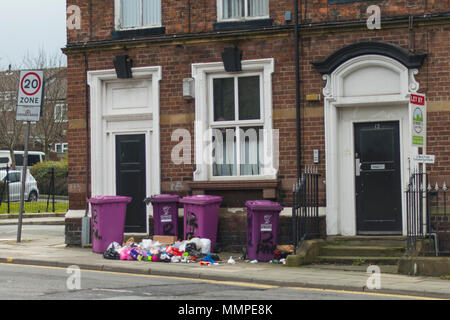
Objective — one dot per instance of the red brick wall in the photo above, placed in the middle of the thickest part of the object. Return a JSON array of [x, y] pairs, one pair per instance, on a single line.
[[203, 14], [316, 44], [322, 11]]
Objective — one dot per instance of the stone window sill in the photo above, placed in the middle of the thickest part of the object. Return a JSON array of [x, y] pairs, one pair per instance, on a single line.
[[133, 33], [246, 24], [268, 187]]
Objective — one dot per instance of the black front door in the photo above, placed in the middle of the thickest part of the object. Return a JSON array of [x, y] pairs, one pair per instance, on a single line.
[[377, 178], [130, 179]]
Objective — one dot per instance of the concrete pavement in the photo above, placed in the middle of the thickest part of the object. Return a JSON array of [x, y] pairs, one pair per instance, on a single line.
[[33, 219], [51, 251]]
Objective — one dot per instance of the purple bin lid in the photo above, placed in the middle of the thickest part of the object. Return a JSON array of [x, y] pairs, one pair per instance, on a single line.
[[164, 198], [109, 199], [201, 199], [259, 205]]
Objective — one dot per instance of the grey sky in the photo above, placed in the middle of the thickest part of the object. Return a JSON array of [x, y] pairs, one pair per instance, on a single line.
[[28, 26]]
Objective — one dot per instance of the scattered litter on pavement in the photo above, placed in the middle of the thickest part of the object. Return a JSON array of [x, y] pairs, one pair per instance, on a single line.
[[195, 250], [186, 251]]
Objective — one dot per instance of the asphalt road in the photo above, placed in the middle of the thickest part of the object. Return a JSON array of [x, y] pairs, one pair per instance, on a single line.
[[19, 282]]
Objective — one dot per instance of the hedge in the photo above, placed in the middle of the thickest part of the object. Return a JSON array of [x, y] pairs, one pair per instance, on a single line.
[[42, 172]]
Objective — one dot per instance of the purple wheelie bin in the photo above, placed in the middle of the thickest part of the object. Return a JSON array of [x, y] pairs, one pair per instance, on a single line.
[[201, 217], [262, 229], [107, 220], [165, 214]]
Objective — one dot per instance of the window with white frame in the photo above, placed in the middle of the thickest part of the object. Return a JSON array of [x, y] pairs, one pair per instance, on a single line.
[[61, 147], [237, 125], [234, 111], [242, 9], [60, 112], [138, 14]]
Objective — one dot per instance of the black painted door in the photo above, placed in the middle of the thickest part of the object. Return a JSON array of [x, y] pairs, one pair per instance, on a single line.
[[130, 179], [377, 178]]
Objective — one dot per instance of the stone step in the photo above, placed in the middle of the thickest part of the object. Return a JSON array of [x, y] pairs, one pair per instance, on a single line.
[[361, 251], [391, 269], [358, 260], [396, 241]]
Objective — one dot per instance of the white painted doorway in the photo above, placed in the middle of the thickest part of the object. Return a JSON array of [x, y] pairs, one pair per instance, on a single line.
[[368, 88], [124, 107]]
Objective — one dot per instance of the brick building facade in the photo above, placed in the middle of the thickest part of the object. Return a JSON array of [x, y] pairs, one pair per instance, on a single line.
[[348, 74]]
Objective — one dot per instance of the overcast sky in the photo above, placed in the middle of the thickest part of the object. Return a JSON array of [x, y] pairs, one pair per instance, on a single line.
[[26, 26]]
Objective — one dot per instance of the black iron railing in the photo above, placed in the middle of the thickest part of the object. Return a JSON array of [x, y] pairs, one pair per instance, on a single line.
[[305, 209], [439, 226], [44, 193], [428, 228], [416, 211]]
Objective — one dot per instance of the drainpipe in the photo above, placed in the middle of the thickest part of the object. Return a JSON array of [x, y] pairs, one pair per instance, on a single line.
[[297, 87], [86, 69], [88, 157]]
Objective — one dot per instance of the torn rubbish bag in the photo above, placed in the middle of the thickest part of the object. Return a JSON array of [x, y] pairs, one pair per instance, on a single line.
[[111, 254]]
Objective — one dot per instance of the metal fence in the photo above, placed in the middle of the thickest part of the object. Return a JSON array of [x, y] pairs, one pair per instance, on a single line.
[[305, 210], [416, 200], [438, 200], [45, 192], [428, 229]]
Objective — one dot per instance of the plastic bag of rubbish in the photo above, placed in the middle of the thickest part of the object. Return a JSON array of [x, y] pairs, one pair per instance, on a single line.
[[173, 251], [191, 249], [146, 244], [114, 246], [231, 261], [125, 253], [112, 252], [137, 254], [164, 257], [196, 241], [205, 245], [157, 245], [181, 245], [178, 245]]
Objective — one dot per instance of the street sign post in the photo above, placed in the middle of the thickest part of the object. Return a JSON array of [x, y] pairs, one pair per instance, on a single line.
[[30, 98], [29, 104], [418, 114], [424, 158]]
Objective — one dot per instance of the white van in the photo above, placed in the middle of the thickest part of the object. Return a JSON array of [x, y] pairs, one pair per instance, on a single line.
[[33, 158]]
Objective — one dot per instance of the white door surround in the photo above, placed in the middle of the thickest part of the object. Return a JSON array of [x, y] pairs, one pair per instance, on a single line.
[[366, 88], [123, 106]]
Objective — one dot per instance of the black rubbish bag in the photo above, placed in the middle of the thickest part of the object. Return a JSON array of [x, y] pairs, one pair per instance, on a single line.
[[191, 248], [112, 252]]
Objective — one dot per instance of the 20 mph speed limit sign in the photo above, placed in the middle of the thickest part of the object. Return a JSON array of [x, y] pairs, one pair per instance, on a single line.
[[29, 99]]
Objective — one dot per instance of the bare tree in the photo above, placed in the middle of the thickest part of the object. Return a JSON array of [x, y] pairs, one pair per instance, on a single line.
[[53, 121], [50, 128]]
